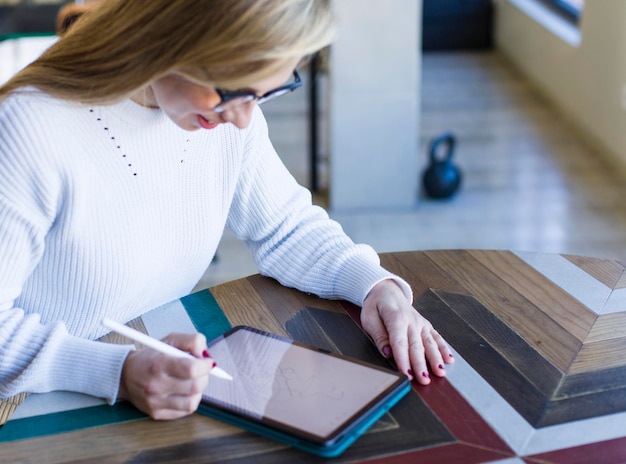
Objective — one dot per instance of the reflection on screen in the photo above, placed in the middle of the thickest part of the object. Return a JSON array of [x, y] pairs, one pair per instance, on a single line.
[[302, 388]]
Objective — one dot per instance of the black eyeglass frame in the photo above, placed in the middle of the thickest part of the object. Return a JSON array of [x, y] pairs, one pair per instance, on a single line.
[[244, 96]]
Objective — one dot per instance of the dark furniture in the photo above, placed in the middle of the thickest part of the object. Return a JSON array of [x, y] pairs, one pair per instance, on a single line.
[[457, 25]]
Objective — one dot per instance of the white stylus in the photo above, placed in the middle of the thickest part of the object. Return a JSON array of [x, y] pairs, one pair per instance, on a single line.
[[157, 345]]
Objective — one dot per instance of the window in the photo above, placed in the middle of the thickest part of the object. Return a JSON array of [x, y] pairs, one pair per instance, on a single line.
[[571, 9]]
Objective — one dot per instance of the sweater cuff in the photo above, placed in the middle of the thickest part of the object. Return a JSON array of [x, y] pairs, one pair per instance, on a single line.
[[355, 284], [403, 284], [89, 367]]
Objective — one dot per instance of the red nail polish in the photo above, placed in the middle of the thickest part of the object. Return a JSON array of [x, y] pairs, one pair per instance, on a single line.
[[451, 355], [425, 374], [386, 351], [214, 364], [410, 372], [205, 354], [440, 366]]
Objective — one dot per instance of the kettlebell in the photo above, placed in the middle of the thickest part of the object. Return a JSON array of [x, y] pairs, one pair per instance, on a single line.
[[441, 179]]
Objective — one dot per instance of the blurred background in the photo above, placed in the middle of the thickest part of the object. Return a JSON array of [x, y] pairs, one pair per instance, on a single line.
[[532, 94]]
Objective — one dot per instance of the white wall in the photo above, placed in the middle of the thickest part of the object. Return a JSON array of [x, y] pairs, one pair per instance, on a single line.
[[587, 81], [374, 104]]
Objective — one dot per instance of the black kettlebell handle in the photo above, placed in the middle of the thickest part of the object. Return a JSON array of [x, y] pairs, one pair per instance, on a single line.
[[447, 139]]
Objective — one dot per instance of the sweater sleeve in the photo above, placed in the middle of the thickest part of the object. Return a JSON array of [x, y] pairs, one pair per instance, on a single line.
[[293, 240], [36, 356]]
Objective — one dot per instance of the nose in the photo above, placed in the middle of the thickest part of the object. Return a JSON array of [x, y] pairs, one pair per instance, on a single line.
[[239, 115]]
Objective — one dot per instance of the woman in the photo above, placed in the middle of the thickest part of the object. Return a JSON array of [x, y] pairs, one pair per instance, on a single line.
[[124, 151]]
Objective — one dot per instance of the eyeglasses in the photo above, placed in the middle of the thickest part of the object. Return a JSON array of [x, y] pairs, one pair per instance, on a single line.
[[233, 98]]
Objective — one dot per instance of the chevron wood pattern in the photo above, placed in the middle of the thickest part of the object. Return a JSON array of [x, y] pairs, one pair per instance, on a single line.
[[554, 358]]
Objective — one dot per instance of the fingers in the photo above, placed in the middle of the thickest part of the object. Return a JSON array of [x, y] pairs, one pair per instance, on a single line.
[[400, 345], [194, 343], [178, 392], [416, 358], [392, 339], [400, 330], [374, 326], [417, 349], [424, 352], [162, 386], [177, 376], [172, 406], [443, 348]]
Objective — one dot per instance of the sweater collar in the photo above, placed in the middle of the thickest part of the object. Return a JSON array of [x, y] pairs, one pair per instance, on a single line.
[[135, 114]]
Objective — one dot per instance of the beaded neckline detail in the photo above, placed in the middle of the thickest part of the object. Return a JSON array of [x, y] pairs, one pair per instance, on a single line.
[[118, 147], [121, 151]]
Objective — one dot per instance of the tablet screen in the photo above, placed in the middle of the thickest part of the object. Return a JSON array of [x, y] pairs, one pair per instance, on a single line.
[[292, 386]]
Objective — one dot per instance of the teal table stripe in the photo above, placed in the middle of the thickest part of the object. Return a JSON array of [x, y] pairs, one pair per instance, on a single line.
[[69, 421], [206, 314], [21, 35], [207, 317]]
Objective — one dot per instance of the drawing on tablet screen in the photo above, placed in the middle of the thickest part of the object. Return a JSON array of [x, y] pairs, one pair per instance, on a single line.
[[290, 384]]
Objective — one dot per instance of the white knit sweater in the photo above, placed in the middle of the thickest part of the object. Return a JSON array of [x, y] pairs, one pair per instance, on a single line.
[[112, 211]]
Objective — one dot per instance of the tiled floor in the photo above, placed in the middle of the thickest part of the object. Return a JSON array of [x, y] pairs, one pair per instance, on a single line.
[[530, 181]]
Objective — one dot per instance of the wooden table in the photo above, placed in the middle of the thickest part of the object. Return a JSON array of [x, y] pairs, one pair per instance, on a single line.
[[540, 376]]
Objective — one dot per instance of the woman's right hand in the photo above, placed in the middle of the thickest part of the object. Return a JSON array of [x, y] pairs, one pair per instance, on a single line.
[[166, 387]]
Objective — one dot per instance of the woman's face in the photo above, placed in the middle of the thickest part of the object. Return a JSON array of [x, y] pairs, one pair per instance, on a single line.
[[190, 105]]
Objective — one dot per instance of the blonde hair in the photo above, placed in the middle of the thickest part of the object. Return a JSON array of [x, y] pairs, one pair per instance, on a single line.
[[119, 46]]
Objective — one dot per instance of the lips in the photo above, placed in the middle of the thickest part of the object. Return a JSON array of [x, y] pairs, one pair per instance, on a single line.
[[205, 124]]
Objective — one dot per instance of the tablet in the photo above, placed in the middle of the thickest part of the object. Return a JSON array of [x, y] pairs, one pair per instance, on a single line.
[[297, 394]]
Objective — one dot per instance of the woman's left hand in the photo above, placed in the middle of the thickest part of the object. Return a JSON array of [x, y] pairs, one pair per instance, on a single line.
[[401, 332]]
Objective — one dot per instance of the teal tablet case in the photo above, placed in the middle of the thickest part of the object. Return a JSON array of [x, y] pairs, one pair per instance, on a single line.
[[330, 451]]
